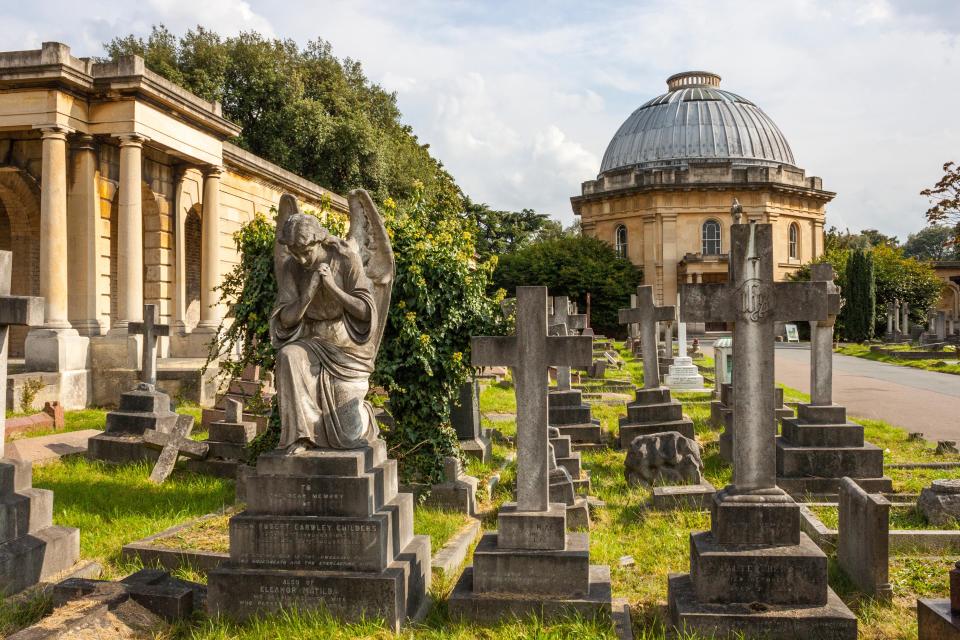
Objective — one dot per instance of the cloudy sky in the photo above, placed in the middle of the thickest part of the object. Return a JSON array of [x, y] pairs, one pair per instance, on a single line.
[[519, 99]]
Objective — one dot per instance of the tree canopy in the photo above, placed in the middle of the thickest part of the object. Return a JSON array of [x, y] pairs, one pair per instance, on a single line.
[[574, 265], [303, 109], [935, 242], [945, 199]]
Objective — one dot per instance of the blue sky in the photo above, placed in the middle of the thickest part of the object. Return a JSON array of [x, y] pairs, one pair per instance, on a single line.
[[519, 99]]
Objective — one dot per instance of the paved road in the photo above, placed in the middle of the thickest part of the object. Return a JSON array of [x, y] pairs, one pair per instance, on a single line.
[[917, 400]]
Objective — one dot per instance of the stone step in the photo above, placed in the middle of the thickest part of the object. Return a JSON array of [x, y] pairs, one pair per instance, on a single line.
[[628, 432], [214, 467], [394, 594], [569, 398], [37, 556], [343, 496], [802, 434], [209, 416], [136, 422], [789, 575], [226, 450], [822, 414], [662, 412], [572, 464], [323, 543], [582, 433], [324, 462], [25, 512], [236, 432], [532, 572], [138, 401], [829, 462], [568, 415], [120, 448], [656, 395], [561, 447], [247, 388], [15, 475]]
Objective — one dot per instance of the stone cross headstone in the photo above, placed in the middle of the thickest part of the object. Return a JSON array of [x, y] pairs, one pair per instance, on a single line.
[[172, 445], [754, 303], [891, 312], [14, 310], [564, 321], [150, 329], [905, 324], [529, 353], [896, 315], [821, 339], [646, 314]]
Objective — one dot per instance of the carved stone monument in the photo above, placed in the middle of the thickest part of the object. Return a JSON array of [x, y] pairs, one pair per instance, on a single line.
[[325, 526], [32, 548], [531, 565], [140, 409], [653, 411], [682, 373], [465, 418], [754, 572], [567, 410], [820, 446]]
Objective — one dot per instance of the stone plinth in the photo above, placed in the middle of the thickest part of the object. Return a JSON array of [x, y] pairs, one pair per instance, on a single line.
[[324, 529], [532, 566], [721, 406], [653, 411], [227, 443], [819, 447], [32, 548], [863, 550], [570, 460], [935, 620], [756, 574], [571, 415], [683, 374], [458, 491], [140, 409], [465, 419]]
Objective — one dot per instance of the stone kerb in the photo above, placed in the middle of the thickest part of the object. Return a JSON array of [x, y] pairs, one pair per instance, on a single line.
[[864, 539]]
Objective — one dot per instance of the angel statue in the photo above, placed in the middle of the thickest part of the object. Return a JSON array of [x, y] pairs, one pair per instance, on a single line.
[[332, 301]]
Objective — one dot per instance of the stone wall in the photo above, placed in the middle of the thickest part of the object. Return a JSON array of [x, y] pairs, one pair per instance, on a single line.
[[863, 548]]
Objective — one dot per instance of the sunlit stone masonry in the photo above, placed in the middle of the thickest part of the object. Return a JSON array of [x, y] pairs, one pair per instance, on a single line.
[[755, 572]]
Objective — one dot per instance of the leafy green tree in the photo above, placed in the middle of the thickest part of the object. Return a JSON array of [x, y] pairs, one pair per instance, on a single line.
[[861, 296], [303, 109], [574, 266], [502, 232], [836, 239], [935, 242]]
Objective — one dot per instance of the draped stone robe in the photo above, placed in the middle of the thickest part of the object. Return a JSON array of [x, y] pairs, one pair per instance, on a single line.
[[324, 362]]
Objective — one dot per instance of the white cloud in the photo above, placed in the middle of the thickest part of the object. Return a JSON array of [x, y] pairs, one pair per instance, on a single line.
[[520, 102]]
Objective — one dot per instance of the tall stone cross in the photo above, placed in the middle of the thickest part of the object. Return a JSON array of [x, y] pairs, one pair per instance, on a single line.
[[821, 338], [754, 303], [647, 314], [561, 322], [529, 354], [14, 310], [150, 329]]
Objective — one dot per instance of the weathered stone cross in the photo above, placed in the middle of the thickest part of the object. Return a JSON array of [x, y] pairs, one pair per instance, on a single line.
[[14, 310], [530, 353], [172, 445], [560, 323], [647, 314], [753, 302], [821, 339], [150, 329]]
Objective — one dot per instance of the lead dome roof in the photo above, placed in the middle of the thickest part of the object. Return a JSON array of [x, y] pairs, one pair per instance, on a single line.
[[696, 121]]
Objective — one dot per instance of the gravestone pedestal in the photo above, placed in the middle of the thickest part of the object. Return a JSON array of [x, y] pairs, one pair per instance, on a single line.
[[465, 418], [653, 411], [571, 415], [140, 409], [570, 460], [721, 405], [227, 442], [532, 566], [324, 529], [458, 491], [756, 553], [683, 374], [32, 548], [819, 447], [561, 487]]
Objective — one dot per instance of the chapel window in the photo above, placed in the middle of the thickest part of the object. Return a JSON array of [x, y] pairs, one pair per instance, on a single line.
[[794, 241], [711, 238], [621, 241]]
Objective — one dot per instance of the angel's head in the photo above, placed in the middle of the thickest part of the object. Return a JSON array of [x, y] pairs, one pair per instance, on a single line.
[[306, 239]]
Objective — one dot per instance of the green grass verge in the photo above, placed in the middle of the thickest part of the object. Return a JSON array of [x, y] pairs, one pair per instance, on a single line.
[[945, 364]]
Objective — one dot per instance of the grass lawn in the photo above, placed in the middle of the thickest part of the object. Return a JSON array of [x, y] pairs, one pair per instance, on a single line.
[[945, 364], [905, 517], [96, 418]]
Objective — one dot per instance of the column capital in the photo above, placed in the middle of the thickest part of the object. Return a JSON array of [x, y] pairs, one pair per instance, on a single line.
[[53, 131], [83, 142], [130, 140], [212, 171]]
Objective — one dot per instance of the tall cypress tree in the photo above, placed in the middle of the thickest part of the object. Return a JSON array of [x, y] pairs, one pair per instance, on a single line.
[[861, 295]]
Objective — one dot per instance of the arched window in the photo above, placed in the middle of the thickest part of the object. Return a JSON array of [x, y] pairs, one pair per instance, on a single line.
[[794, 242], [711, 238], [621, 241]]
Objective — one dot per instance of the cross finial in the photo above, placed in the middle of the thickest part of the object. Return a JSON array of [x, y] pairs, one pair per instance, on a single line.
[[150, 329], [647, 314]]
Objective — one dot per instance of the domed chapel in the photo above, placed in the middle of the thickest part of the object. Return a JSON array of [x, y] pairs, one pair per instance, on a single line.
[[670, 173]]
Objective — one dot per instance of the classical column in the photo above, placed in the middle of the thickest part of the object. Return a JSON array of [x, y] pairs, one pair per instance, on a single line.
[[53, 227], [210, 257], [130, 233], [177, 322], [84, 238]]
